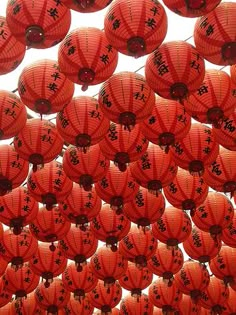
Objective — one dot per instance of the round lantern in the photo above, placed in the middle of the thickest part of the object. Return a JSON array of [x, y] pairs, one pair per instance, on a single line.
[[5, 296], [134, 107], [173, 227], [186, 192], [132, 306], [75, 307], [173, 82], [44, 88], [228, 234], [167, 123], [38, 142], [7, 308], [3, 266], [49, 184], [110, 227], [85, 168], [82, 122], [197, 150], [86, 6], [123, 146], [38, 25], [86, 57], [138, 246], [117, 188], [14, 169], [155, 169], [201, 246], [13, 113], [80, 206], [230, 306], [26, 306], [145, 208], [214, 35], [233, 73], [188, 307], [135, 28]]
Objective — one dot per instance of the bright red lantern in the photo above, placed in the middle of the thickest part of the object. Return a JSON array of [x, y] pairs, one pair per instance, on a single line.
[[130, 305], [38, 142], [230, 306], [53, 90], [38, 25], [85, 168], [26, 306], [134, 107], [5, 296], [228, 234], [86, 57], [188, 307], [171, 82], [87, 6], [135, 28], [75, 307], [197, 150], [13, 113], [123, 146]]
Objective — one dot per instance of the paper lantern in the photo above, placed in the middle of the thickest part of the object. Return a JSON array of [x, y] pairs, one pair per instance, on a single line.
[[74, 307], [26, 306], [130, 305], [86, 6], [228, 234]]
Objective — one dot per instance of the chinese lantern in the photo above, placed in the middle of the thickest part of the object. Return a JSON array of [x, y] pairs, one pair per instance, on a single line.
[[14, 169], [154, 170], [86, 57], [123, 146], [7, 308], [145, 208], [13, 113], [3, 266], [214, 35], [88, 129], [5, 296], [173, 227], [75, 307], [86, 6], [134, 107], [38, 142], [201, 246], [38, 25], [228, 234], [213, 100], [53, 298], [117, 188], [85, 168], [233, 73], [79, 283], [130, 305], [166, 79], [186, 192], [135, 28], [230, 306], [26, 306], [114, 311], [191, 8], [79, 245], [80, 206], [49, 226], [197, 150], [110, 227], [138, 246], [188, 307], [49, 184], [44, 88], [48, 264], [18, 249]]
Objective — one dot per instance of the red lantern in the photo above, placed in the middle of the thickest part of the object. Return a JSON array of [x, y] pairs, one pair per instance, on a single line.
[[86, 6], [201, 246], [5, 296], [80, 206], [53, 90], [188, 307], [86, 57], [110, 227], [49, 184], [13, 113], [134, 107], [3, 266], [38, 142], [171, 82], [117, 188], [7, 308], [145, 208], [191, 8], [135, 28], [85, 168], [14, 169], [214, 35], [114, 311], [38, 25], [155, 169], [130, 305], [230, 306], [138, 246], [173, 227], [197, 150], [75, 307], [233, 73], [123, 146], [26, 306], [186, 192], [228, 234], [91, 126]]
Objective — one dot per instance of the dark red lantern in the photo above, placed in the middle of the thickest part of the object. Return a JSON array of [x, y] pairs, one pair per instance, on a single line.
[[188, 307], [214, 35], [86, 57], [134, 107], [38, 25], [3, 266], [13, 113], [228, 234], [135, 28], [26, 306], [44, 88], [75, 307], [87, 6], [130, 305]]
